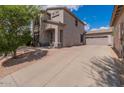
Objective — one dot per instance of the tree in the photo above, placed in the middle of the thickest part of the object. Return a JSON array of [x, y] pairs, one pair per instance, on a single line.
[[14, 27]]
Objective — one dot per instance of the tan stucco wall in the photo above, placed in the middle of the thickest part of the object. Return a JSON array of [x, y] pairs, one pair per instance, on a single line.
[[117, 42], [71, 33]]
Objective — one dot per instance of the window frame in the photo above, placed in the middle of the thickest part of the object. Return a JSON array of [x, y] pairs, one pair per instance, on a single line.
[[76, 22]]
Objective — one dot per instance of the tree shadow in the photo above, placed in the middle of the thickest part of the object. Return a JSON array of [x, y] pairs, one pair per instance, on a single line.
[[109, 70], [25, 57], [116, 51]]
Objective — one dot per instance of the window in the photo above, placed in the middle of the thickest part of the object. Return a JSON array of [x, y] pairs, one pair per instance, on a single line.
[[76, 23], [81, 38]]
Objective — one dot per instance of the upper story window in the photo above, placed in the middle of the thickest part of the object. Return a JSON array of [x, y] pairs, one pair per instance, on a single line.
[[55, 14], [76, 23]]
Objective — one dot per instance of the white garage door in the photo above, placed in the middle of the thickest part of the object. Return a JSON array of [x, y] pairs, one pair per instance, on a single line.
[[97, 41]]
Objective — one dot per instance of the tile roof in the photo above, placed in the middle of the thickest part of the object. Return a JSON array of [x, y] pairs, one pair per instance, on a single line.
[[100, 31]]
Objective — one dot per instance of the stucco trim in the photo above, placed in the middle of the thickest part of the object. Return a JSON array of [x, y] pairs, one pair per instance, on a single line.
[[54, 22]]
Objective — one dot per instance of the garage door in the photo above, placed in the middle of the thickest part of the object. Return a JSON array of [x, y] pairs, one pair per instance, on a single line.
[[97, 41]]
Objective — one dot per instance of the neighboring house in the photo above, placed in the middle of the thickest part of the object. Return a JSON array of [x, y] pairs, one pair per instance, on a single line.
[[59, 28], [99, 37], [117, 21]]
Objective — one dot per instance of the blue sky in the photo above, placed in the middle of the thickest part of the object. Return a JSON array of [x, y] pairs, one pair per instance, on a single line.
[[97, 16]]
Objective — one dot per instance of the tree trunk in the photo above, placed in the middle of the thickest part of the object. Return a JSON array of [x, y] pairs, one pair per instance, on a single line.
[[5, 54], [14, 54]]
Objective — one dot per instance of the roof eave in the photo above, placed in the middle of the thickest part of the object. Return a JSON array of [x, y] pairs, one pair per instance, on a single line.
[[115, 14]]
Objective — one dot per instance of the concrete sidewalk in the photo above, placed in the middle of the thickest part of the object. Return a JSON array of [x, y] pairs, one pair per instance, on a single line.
[[74, 66]]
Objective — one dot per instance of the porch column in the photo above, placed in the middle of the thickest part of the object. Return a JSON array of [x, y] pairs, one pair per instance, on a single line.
[[57, 37]]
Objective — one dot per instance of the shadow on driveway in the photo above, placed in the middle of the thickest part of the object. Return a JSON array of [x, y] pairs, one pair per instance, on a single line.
[[25, 57], [110, 71]]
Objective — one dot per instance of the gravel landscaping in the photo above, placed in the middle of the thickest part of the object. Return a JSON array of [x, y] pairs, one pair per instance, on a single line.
[[25, 57]]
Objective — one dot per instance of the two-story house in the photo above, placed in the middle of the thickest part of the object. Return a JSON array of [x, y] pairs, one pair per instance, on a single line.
[[59, 28]]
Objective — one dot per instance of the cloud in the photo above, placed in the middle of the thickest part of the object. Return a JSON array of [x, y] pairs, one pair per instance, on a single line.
[[87, 26], [103, 27], [71, 7], [94, 29]]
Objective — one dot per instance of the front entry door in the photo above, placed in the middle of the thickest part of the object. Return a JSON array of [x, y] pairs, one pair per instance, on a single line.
[[51, 37]]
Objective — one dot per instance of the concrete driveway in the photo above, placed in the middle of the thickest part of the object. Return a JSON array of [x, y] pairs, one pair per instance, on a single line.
[[74, 66]]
